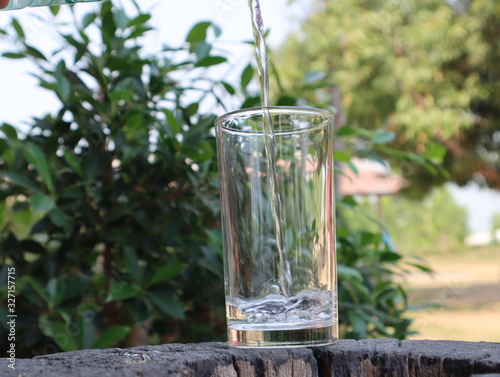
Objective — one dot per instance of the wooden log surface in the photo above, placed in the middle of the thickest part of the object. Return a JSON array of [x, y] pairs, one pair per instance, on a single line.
[[349, 358]]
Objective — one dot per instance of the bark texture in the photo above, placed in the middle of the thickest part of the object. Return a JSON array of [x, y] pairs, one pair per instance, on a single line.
[[349, 358]]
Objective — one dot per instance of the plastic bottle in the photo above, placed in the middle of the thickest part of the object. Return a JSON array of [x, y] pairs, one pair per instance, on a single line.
[[20, 4]]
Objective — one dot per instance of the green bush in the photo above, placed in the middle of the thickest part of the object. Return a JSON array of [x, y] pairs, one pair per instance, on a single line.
[[109, 208], [436, 224]]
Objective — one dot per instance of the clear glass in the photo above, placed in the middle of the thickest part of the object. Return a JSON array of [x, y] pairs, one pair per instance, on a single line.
[[260, 313], [20, 4]]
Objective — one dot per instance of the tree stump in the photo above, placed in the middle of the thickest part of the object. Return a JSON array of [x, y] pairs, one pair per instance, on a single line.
[[349, 358]]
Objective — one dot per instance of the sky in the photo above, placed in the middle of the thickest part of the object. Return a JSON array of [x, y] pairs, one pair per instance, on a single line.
[[21, 99], [481, 205]]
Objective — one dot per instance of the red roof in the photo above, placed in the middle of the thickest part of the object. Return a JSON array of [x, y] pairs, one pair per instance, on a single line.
[[372, 179]]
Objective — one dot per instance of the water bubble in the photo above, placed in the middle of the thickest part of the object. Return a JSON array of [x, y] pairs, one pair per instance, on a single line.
[[306, 306]]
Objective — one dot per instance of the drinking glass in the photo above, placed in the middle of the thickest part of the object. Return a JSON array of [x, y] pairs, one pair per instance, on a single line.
[[278, 226]]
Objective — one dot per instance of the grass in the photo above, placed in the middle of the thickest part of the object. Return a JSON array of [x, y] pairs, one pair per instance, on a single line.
[[464, 324], [462, 297]]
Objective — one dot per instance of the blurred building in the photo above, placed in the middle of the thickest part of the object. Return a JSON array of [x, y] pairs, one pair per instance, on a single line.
[[370, 178], [484, 238]]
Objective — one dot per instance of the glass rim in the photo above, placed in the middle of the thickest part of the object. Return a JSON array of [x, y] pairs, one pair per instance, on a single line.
[[219, 121]]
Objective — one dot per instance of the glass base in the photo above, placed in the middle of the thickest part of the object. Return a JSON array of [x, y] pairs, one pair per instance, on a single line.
[[255, 336]]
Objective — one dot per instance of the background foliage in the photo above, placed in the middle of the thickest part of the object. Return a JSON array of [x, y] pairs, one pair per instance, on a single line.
[[435, 224], [496, 221], [109, 206], [426, 70]]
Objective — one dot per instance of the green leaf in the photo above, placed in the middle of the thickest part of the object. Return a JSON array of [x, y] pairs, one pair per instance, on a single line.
[[202, 50], [61, 67], [390, 256], [21, 181], [75, 286], [246, 76], [313, 77], [353, 167], [88, 19], [373, 156], [139, 32], [167, 305], [435, 152], [3, 215], [108, 27], [362, 291], [198, 33], [212, 259], [140, 310], [132, 263], [229, 88], [358, 322], [199, 153], [122, 291], [54, 10], [42, 203], [346, 131], [35, 285], [172, 122], [35, 53], [193, 108], [378, 325], [13, 55], [36, 156], [345, 271], [55, 292], [368, 238], [349, 201], [9, 131], [84, 329], [217, 30], [22, 222], [58, 218], [64, 88], [421, 267], [210, 61], [133, 85], [18, 28], [287, 101], [430, 168], [92, 166], [58, 332], [341, 156], [73, 161], [383, 137], [251, 102], [167, 271], [120, 18], [139, 20], [111, 336]]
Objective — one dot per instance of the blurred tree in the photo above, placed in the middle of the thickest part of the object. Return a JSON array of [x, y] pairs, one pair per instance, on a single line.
[[495, 222], [435, 224], [426, 70]]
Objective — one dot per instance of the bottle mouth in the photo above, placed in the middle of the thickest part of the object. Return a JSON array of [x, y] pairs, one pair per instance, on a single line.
[[284, 119], [6, 5]]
